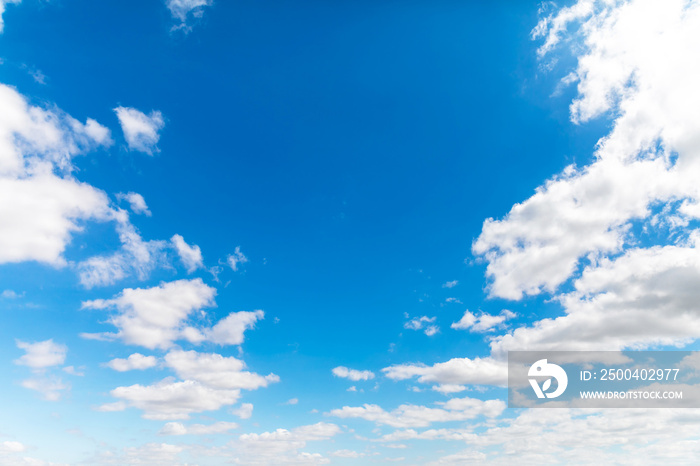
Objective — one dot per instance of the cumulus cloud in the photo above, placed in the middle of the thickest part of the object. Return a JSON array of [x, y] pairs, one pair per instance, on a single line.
[[483, 322], [50, 388], [245, 411], [135, 257], [141, 131], [136, 203], [155, 317], [182, 9], [457, 371], [136, 361], [215, 370], [632, 63], [421, 323], [191, 256], [41, 354], [48, 203], [177, 428], [169, 399], [282, 446], [352, 374], [456, 409], [236, 259]]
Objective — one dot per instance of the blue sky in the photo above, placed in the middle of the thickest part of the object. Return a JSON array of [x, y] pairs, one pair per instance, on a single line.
[[318, 227]]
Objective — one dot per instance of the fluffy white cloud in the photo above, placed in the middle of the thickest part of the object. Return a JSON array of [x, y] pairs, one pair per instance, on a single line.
[[643, 298], [282, 446], [215, 370], [457, 371], [10, 446], [352, 374], [632, 62], [43, 204], [450, 284], [570, 436], [141, 131], [50, 388], [136, 202], [136, 361], [236, 259], [483, 322], [191, 256], [230, 330], [177, 428], [41, 354], [456, 409], [155, 454], [136, 257], [168, 399], [421, 323], [155, 317], [181, 8], [245, 411]]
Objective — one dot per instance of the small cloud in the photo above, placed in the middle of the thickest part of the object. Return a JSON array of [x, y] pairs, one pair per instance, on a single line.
[[236, 259], [292, 401], [141, 131], [136, 203], [352, 374], [73, 371], [483, 322], [191, 256], [420, 323], [244, 412], [453, 300], [42, 354], [11, 294], [451, 284]]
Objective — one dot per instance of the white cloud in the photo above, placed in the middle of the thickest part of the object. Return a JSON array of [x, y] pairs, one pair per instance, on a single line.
[[191, 256], [483, 322], [3, 3], [155, 317], [136, 361], [352, 374], [168, 399], [282, 446], [347, 454], [41, 354], [215, 370], [11, 294], [447, 388], [457, 371], [450, 284], [180, 9], [643, 298], [456, 409], [230, 330], [136, 203], [155, 454], [177, 428], [632, 64], [136, 256], [244, 412], [141, 131], [49, 387], [236, 259], [48, 204], [292, 401], [9, 446], [420, 323]]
